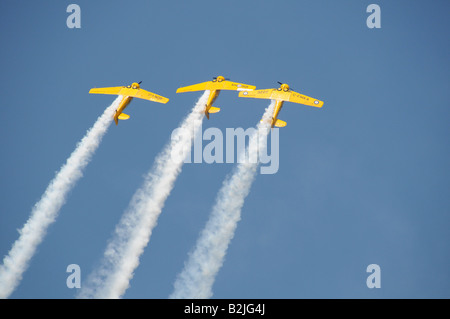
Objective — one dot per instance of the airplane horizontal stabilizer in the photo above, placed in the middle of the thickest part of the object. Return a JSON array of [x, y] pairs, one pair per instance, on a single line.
[[213, 109], [123, 116], [280, 123]]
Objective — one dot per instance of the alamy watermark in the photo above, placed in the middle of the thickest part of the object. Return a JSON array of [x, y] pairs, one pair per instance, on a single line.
[[74, 18], [374, 19], [214, 146], [374, 279], [74, 279]]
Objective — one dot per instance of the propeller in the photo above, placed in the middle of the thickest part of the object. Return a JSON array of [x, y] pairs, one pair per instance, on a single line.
[[290, 87], [215, 78]]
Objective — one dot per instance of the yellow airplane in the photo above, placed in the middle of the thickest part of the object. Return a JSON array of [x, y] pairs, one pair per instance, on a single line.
[[218, 83], [128, 92], [280, 95]]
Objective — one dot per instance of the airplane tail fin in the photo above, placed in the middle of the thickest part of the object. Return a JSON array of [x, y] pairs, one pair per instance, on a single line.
[[212, 109], [121, 116]]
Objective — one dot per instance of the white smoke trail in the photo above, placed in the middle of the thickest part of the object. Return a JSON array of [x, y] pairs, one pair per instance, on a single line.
[[46, 210], [197, 278], [133, 232]]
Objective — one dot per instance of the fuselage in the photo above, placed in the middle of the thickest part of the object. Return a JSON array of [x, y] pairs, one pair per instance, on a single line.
[[279, 96], [276, 111], [212, 97], [122, 106]]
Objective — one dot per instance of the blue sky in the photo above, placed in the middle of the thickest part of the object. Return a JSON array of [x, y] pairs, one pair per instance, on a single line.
[[364, 180]]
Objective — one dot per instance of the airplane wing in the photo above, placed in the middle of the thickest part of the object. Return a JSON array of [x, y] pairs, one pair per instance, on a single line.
[[289, 96], [196, 87], [216, 85], [143, 94], [228, 85], [111, 90], [303, 99], [258, 94]]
